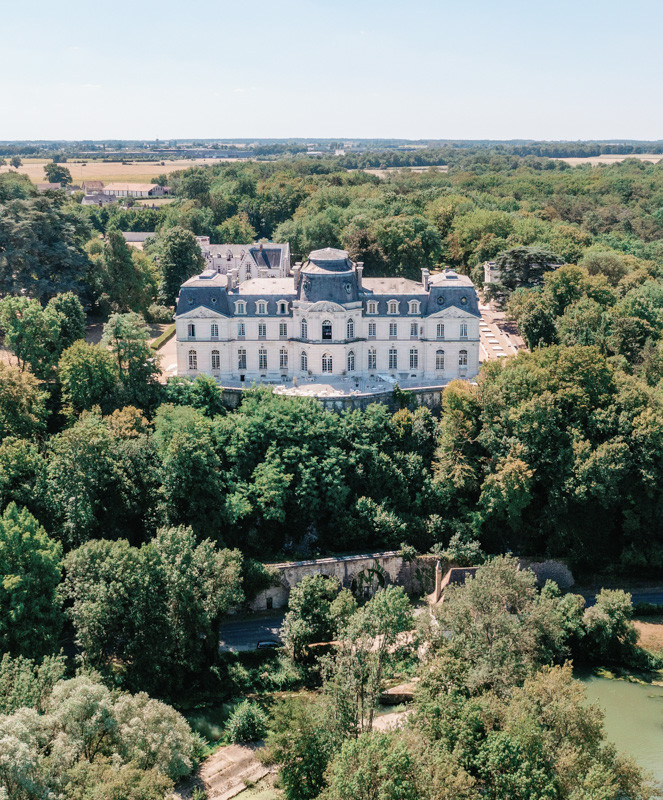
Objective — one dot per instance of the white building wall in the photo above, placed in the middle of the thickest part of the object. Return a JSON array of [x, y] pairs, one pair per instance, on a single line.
[[228, 344]]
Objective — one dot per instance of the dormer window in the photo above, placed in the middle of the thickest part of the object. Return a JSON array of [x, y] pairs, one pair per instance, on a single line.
[[261, 307], [372, 307], [240, 307], [414, 306], [283, 307], [392, 307]]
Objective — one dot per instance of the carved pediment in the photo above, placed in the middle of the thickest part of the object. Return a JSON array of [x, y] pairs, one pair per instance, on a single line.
[[201, 312], [454, 312]]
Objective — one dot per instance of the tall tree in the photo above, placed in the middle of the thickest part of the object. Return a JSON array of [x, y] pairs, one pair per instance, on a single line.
[[30, 571], [57, 173], [179, 257], [127, 338]]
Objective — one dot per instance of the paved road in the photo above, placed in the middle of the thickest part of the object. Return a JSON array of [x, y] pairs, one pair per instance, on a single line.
[[244, 634]]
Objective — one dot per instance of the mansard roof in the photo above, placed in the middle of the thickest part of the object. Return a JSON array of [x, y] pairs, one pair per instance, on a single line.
[[329, 259]]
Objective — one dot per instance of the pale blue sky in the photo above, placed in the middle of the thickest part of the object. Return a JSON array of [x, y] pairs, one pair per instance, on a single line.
[[471, 69]]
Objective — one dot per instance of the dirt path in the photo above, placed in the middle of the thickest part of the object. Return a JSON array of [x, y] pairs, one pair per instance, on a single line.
[[389, 722], [226, 773]]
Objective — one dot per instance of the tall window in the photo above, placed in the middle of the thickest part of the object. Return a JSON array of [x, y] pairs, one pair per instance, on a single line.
[[372, 358], [326, 329], [393, 330], [193, 359], [414, 306], [241, 330], [262, 330], [241, 358], [240, 307], [440, 330], [414, 330], [283, 358], [393, 358], [262, 358], [462, 358], [214, 330], [304, 362], [304, 329], [262, 307], [371, 330], [439, 360], [372, 307], [414, 358], [191, 330], [283, 330], [327, 362], [392, 307], [351, 361], [463, 330], [351, 329], [216, 359]]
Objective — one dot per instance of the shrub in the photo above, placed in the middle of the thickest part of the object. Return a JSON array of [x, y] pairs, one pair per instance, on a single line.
[[247, 723]]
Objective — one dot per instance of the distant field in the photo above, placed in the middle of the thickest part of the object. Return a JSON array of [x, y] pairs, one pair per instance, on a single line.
[[612, 159], [383, 173], [132, 172]]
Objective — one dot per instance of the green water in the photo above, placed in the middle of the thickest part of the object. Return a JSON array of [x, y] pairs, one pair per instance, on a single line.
[[633, 718]]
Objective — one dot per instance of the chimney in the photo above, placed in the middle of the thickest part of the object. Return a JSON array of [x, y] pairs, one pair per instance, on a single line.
[[360, 273], [296, 272], [229, 280], [425, 278]]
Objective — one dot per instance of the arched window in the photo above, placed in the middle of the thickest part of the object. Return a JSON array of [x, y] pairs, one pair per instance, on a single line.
[[304, 329], [326, 329], [241, 358], [372, 307], [304, 362], [414, 306], [240, 307], [262, 307], [193, 359], [440, 330], [372, 358], [216, 359], [283, 307], [414, 358], [191, 330], [392, 307], [262, 358], [327, 362], [214, 331], [283, 358], [351, 361], [462, 358], [351, 329], [439, 360], [393, 358]]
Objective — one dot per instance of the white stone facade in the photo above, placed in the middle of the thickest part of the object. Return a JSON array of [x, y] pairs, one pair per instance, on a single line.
[[325, 321]]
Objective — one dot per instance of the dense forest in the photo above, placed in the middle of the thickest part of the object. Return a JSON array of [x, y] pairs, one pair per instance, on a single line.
[[134, 513]]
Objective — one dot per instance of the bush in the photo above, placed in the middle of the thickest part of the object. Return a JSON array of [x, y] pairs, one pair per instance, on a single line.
[[159, 313], [247, 723]]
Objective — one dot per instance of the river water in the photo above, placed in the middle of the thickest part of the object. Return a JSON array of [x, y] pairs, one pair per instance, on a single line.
[[633, 718]]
